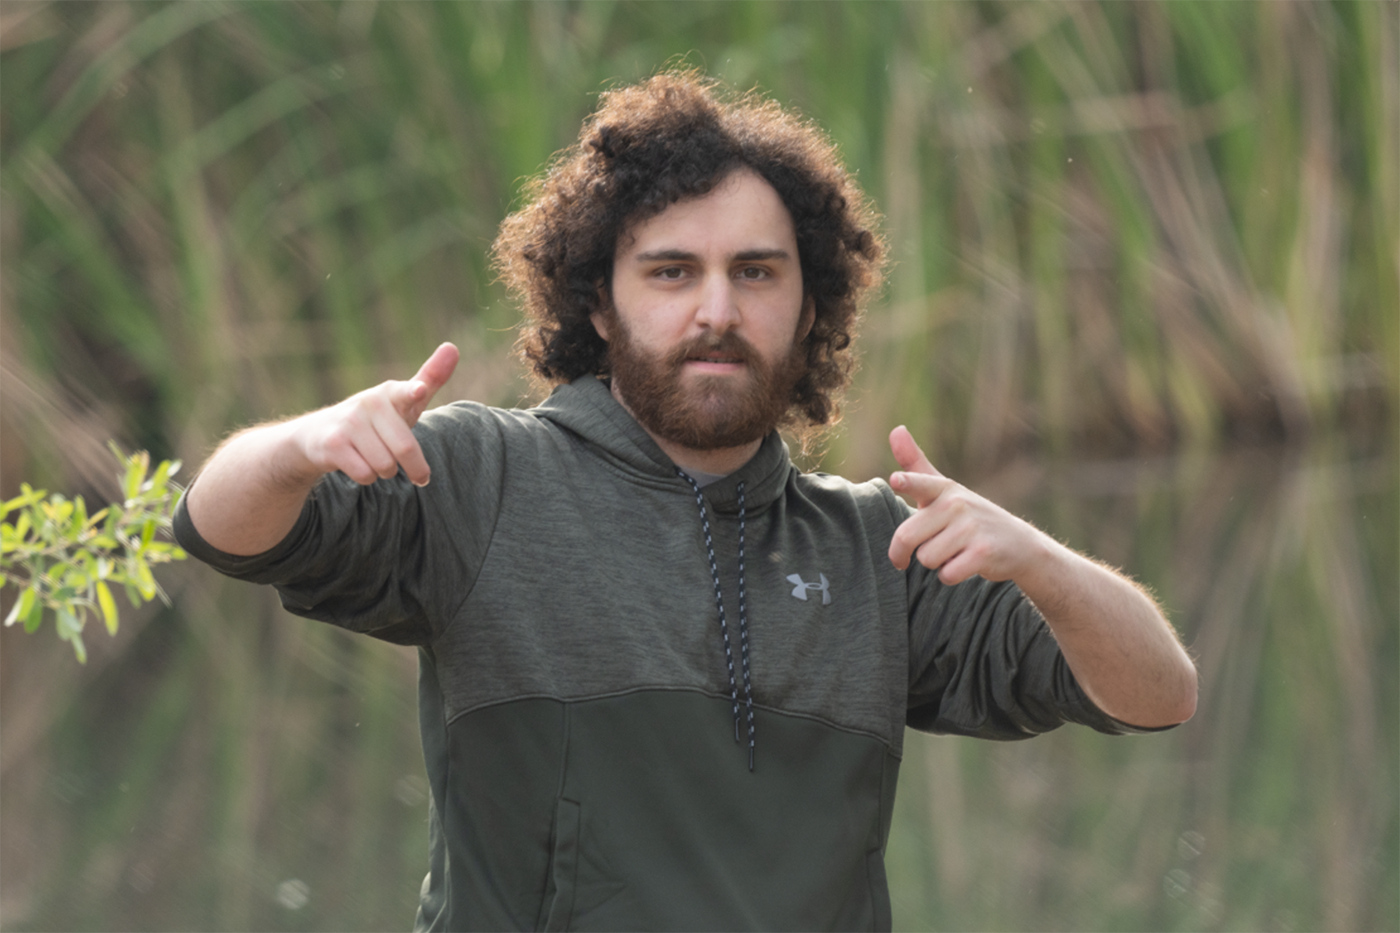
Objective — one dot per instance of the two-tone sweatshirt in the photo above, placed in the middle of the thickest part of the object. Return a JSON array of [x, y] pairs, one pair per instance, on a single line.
[[645, 704]]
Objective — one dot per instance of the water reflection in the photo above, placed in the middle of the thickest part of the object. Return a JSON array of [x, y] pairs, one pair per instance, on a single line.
[[232, 768], [1275, 808]]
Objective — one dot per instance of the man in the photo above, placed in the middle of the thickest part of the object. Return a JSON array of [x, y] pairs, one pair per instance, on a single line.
[[612, 589]]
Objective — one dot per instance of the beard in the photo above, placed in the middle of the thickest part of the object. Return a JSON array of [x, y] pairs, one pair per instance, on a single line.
[[711, 412]]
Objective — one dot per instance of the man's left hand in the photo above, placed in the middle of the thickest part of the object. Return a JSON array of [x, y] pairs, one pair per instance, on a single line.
[[1120, 647], [955, 531]]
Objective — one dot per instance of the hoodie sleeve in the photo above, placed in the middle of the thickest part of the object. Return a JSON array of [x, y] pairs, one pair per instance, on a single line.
[[983, 662], [390, 559]]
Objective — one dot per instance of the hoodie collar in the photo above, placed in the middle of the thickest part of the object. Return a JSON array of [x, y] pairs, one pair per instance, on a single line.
[[587, 408]]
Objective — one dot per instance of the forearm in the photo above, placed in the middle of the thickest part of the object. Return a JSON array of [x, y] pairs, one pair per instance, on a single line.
[[250, 492], [1122, 650]]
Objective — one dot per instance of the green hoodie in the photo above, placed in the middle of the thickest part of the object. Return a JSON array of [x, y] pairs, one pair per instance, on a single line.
[[588, 750]]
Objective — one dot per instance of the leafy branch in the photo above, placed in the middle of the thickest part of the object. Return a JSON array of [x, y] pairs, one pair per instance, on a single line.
[[66, 562]]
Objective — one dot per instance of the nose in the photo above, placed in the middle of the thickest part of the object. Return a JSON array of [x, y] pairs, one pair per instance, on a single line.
[[718, 310]]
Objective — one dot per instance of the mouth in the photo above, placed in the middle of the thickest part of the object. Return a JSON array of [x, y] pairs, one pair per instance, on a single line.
[[721, 360], [717, 357], [714, 363]]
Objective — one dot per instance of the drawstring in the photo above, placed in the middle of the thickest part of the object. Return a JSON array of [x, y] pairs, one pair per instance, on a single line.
[[719, 605], [744, 628]]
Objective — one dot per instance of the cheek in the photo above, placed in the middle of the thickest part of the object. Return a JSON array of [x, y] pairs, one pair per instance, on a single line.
[[783, 327], [655, 326]]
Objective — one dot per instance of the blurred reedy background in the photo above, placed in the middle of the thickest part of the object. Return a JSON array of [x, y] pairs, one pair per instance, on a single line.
[[1146, 291]]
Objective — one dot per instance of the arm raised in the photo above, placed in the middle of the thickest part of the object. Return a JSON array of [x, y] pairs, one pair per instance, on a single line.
[[250, 492], [1123, 652]]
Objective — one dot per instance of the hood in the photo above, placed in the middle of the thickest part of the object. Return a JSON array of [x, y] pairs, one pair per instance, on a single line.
[[587, 408]]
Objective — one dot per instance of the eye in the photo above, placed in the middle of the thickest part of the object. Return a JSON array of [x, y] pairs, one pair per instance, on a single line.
[[753, 273], [669, 273]]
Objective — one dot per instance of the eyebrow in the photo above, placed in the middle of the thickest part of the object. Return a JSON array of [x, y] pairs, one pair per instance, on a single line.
[[680, 255]]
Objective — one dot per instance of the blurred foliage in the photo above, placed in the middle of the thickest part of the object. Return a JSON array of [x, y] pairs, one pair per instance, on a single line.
[[1116, 227], [1119, 231], [65, 561]]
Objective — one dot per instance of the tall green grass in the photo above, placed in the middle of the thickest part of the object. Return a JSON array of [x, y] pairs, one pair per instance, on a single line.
[[1116, 226]]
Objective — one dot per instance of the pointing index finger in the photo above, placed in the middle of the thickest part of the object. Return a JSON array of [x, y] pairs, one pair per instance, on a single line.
[[412, 397], [907, 453], [437, 369], [919, 478]]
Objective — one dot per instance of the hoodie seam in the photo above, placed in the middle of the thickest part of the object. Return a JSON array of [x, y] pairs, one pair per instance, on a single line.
[[456, 614], [673, 688]]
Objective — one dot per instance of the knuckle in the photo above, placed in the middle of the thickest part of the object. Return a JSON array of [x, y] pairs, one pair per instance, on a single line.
[[383, 464], [404, 447]]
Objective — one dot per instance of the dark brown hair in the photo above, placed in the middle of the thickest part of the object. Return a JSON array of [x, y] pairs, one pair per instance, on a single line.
[[649, 145]]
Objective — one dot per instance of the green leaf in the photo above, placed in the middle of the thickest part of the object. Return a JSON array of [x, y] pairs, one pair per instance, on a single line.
[[162, 475], [70, 628], [68, 623], [58, 509], [109, 607], [22, 606], [97, 517], [26, 497], [35, 618], [79, 520], [145, 582], [136, 466], [164, 551]]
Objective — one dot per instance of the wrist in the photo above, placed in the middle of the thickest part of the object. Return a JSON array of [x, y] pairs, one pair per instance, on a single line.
[[291, 470], [1047, 574]]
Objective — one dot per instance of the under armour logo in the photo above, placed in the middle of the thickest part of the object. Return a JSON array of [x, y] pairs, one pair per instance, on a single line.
[[800, 587]]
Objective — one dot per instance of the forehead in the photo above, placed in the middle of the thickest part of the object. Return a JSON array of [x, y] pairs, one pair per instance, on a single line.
[[741, 213]]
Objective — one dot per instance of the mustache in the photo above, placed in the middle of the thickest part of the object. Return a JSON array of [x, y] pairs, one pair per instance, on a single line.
[[729, 345]]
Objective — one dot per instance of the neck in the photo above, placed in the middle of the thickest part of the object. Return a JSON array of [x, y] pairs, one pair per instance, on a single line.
[[720, 461]]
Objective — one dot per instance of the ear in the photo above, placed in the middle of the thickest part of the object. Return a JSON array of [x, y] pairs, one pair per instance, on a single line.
[[600, 317], [808, 318], [600, 324]]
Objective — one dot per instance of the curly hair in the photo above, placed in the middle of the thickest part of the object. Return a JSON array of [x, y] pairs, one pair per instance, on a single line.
[[672, 137]]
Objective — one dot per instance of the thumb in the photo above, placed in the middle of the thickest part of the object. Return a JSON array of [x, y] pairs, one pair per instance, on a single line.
[[907, 453]]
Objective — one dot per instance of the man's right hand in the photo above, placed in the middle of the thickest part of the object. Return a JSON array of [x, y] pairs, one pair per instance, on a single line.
[[369, 435], [250, 492]]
